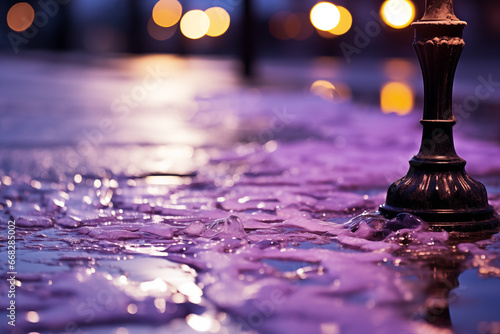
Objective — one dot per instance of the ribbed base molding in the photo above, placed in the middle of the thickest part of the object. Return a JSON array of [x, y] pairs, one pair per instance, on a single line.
[[460, 221]]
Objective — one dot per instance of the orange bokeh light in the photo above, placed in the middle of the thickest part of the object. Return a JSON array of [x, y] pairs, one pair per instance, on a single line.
[[167, 13], [345, 22], [20, 16], [396, 97], [286, 25], [219, 21]]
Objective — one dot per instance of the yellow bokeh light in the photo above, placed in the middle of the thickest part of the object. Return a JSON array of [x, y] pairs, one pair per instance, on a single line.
[[20, 16], [325, 16], [396, 97], [330, 92], [321, 88], [219, 21], [344, 24], [195, 24], [397, 14], [167, 13]]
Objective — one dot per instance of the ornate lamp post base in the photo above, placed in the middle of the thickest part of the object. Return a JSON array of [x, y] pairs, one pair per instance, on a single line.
[[437, 188]]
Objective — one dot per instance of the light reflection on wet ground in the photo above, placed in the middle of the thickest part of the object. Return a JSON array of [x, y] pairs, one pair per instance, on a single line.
[[160, 194]]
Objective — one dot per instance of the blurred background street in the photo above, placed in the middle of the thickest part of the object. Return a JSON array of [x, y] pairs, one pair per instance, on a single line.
[[193, 166]]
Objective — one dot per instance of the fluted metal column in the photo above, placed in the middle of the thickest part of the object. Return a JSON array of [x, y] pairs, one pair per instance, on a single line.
[[437, 188]]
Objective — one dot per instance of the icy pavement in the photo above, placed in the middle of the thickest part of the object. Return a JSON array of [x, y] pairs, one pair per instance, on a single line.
[[200, 205]]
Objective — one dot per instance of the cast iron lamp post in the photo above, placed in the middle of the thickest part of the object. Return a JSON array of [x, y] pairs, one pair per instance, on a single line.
[[437, 188]]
